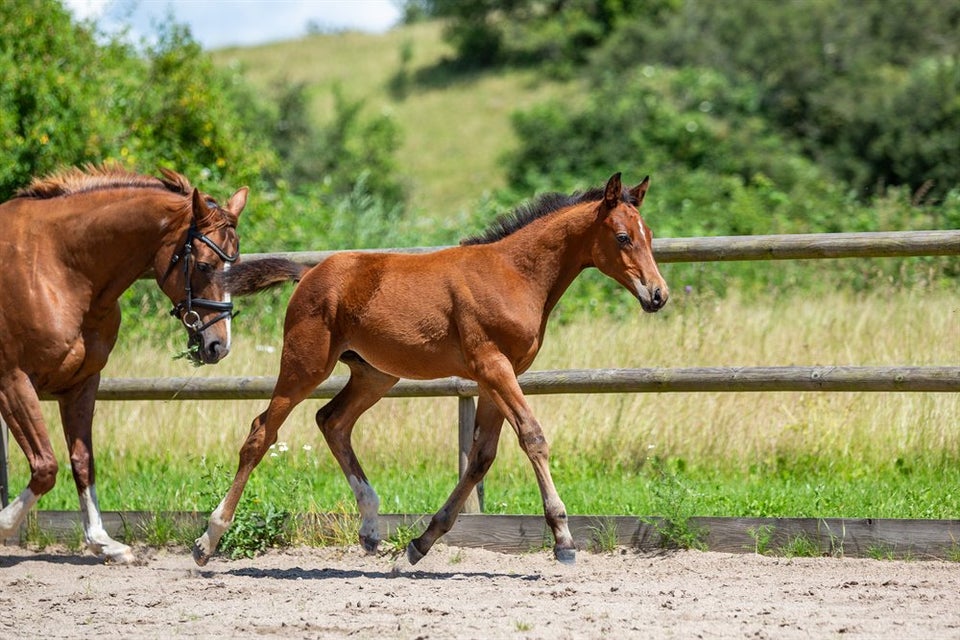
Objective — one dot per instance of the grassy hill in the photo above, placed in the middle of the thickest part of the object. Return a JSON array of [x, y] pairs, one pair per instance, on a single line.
[[455, 127]]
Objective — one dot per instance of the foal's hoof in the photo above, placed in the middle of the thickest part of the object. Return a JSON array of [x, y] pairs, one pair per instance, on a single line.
[[413, 554], [199, 555], [565, 556], [369, 544]]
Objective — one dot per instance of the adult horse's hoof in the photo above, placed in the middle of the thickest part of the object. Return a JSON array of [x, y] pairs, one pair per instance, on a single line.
[[413, 554], [369, 544], [565, 556], [121, 554]]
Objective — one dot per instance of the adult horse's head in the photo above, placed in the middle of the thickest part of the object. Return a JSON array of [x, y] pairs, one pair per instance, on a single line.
[[190, 271], [623, 249]]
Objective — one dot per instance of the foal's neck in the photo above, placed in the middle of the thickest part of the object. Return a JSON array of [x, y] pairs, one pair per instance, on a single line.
[[553, 250]]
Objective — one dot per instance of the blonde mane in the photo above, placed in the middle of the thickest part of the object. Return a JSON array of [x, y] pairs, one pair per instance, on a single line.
[[96, 177]]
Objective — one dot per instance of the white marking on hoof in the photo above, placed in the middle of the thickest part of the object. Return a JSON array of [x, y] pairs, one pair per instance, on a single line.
[[206, 545], [14, 513], [368, 503]]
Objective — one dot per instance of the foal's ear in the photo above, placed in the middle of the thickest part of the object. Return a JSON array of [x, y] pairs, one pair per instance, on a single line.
[[235, 205], [639, 191], [613, 191]]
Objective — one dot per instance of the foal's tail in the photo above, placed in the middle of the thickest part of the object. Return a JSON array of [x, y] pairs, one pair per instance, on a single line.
[[250, 276]]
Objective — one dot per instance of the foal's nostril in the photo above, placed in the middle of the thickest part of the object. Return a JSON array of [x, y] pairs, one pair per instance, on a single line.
[[657, 297]]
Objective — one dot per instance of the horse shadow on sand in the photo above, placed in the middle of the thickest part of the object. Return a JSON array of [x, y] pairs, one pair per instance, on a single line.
[[299, 573]]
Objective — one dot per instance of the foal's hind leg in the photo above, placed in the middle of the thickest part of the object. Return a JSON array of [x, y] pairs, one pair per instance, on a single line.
[[20, 408], [76, 413], [486, 435], [336, 420], [299, 375]]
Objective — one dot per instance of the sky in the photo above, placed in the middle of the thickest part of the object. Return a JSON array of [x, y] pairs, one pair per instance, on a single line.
[[221, 23]]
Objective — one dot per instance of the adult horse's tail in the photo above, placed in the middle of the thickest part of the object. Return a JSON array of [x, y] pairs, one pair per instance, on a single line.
[[250, 276]]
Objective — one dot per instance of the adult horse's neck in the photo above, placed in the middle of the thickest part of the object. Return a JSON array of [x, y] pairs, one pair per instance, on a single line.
[[112, 237], [552, 251]]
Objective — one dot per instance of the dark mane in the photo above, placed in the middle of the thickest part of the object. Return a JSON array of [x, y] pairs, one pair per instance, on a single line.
[[540, 207], [93, 178]]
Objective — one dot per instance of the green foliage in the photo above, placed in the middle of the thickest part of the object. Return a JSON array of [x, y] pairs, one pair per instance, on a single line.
[[349, 150], [845, 81], [560, 34], [673, 498], [254, 531], [401, 537], [800, 546], [762, 537], [603, 535], [74, 96]]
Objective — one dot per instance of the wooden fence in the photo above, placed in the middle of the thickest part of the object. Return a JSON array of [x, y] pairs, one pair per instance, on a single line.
[[715, 379]]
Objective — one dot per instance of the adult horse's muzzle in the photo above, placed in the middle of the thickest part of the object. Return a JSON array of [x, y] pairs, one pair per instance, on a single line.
[[652, 299], [201, 349]]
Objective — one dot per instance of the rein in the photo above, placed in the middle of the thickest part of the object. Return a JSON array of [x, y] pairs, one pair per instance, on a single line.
[[185, 309]]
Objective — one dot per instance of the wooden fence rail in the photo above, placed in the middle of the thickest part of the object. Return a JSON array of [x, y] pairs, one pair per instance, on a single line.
[[717, 379], [652, 380], [803, 246]]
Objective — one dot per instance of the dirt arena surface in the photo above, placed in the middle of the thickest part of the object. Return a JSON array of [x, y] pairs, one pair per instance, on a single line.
[[473, 593]]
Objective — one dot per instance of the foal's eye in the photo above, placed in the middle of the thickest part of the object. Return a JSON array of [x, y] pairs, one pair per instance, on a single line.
[[623, 239]]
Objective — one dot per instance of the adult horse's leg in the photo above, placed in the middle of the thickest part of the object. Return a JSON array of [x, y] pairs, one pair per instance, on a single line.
[[299, 375], [496, 376], [20, 408], [336, 420], [76, 413], [486, 435]]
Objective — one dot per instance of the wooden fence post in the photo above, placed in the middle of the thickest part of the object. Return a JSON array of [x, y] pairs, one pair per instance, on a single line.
[[467, 416], [4, 477]]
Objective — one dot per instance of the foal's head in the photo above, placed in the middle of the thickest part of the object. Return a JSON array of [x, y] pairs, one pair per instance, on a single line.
[[623, 246], [191, 273]]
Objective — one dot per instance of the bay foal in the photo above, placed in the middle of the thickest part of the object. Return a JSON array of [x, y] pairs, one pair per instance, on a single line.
[[477, 311]]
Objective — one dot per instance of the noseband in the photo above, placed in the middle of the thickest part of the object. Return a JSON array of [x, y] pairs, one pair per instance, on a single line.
[[185, 309]]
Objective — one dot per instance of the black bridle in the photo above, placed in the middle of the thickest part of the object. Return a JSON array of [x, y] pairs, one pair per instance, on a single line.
[[185, 309]]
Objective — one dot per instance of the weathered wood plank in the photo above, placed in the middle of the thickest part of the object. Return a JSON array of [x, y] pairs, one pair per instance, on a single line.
[[652, 380], [854, 537], [875, 244]]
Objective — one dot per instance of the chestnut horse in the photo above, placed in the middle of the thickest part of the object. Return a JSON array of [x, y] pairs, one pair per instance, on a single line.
[[477, 311], [71, 244]]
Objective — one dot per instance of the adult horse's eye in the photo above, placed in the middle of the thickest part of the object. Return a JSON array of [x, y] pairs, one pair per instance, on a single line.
[[204, 267], [623, 239]]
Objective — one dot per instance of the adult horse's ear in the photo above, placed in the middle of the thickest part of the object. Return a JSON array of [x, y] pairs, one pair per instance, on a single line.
[[638, 192], [613, 192], [202, 212], [175, 181], [235, 205]]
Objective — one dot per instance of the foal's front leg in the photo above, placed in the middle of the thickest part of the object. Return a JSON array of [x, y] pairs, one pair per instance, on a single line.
[[76, 413], [500, 382], [304, 364]]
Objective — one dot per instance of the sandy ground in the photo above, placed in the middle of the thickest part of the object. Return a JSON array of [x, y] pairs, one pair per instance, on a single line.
[[473, 593]]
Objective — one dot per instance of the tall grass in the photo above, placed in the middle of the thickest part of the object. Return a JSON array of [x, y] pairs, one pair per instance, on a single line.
[[762, 454]]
